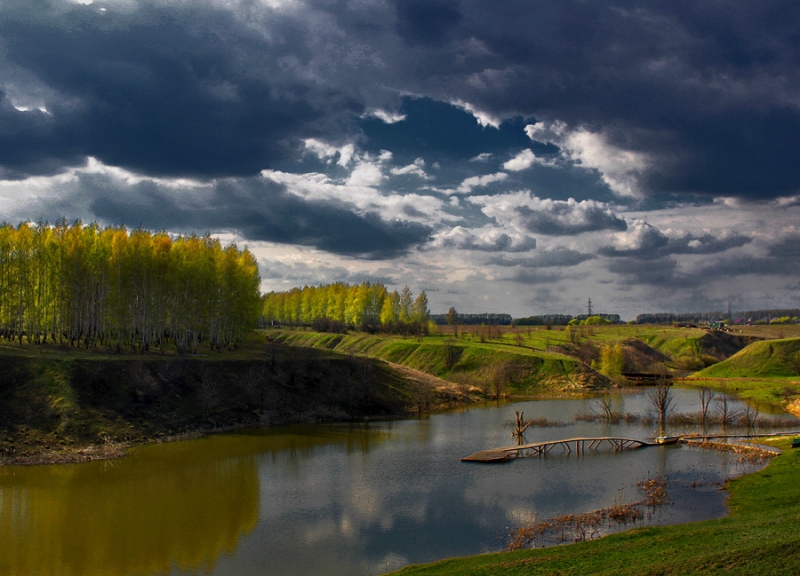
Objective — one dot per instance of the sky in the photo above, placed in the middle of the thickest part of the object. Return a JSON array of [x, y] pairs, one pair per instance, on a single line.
[[513, 157]]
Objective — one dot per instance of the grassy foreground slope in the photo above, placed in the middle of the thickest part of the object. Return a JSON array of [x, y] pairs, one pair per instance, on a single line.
[[760, 536]]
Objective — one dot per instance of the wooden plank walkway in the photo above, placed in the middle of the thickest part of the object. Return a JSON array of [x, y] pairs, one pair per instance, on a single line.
[[566, 446], [606, 442]]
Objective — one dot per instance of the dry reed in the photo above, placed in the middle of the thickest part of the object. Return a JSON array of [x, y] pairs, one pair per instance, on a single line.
[[588, 525]]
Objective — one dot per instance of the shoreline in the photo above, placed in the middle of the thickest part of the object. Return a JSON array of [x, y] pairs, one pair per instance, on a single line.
[[113, 450]]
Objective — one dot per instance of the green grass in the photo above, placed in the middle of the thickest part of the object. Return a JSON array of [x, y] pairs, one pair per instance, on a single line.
[[767, 359], [760, 536], [528, 366], [763, 391]]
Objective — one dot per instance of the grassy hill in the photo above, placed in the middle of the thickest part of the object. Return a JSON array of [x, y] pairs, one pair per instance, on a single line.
[[531, 359], [512, 366], [767, 359], [767, 372]]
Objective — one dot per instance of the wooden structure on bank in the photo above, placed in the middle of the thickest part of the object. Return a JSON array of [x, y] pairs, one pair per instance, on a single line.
[[646, 378], [579, 445]]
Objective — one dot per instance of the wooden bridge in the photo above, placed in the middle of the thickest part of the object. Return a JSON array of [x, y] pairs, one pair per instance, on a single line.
[[579, 445]]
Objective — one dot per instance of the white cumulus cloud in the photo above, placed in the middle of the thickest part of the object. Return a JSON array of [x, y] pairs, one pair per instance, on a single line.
[[619, 168], [521, 161], [474, 181]]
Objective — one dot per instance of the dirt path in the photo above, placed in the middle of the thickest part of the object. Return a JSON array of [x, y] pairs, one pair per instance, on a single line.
[[438, 385]]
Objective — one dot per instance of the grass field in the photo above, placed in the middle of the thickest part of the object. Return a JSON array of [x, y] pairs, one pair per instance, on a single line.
[[541, 359], [523, 367]]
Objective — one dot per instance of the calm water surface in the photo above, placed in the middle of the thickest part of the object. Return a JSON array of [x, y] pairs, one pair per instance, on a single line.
[[334, 499]]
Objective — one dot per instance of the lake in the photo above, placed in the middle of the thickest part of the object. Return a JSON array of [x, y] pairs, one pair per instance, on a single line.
[[337, 499]]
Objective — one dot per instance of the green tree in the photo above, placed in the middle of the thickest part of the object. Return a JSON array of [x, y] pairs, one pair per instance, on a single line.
[[406, 301], [612, 359], [420, 313]]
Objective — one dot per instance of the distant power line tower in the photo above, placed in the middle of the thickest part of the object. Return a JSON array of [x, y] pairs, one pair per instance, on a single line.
[[589, 307]]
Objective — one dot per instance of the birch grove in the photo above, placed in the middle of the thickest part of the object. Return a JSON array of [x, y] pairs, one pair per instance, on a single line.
[[366, 306], [88, 285]]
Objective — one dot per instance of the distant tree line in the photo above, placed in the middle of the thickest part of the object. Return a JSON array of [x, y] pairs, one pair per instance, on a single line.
[[565, 319], [338, 307], [700, 317], [89, 285], [474, 319]]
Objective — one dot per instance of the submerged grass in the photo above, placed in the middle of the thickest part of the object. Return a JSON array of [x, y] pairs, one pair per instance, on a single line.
[[589, 525]]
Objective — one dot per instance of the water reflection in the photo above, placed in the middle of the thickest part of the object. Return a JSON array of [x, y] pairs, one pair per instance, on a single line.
[[169, 507], [333, 499]]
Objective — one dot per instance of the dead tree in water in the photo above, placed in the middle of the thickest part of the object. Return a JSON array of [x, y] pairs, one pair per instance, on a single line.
[[519, 426], [605, 408], [660, 398], [727, 414], [706, 396], [750, 416]]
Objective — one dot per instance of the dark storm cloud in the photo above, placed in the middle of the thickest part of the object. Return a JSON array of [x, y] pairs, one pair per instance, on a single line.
[[782, 259], [186, 89], [652, 244], [558, 257], [256, 209], [570, 218], [708, 93], [426, 21]]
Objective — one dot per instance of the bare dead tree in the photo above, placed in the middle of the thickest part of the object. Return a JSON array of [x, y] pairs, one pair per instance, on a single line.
[[519, 427], [725, 411], [660, 398], [208, 393], [604, 406], [451, 353], [423, 395], [706, 396], [254, 384], [750, 415]]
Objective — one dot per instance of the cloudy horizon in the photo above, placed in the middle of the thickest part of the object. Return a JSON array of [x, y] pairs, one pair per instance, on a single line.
[[517, 160]]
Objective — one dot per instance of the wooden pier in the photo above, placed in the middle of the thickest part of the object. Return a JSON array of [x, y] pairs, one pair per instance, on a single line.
[[579, 445]]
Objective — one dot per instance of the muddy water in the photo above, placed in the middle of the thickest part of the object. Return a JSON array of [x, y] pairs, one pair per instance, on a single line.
[[334, 499]]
